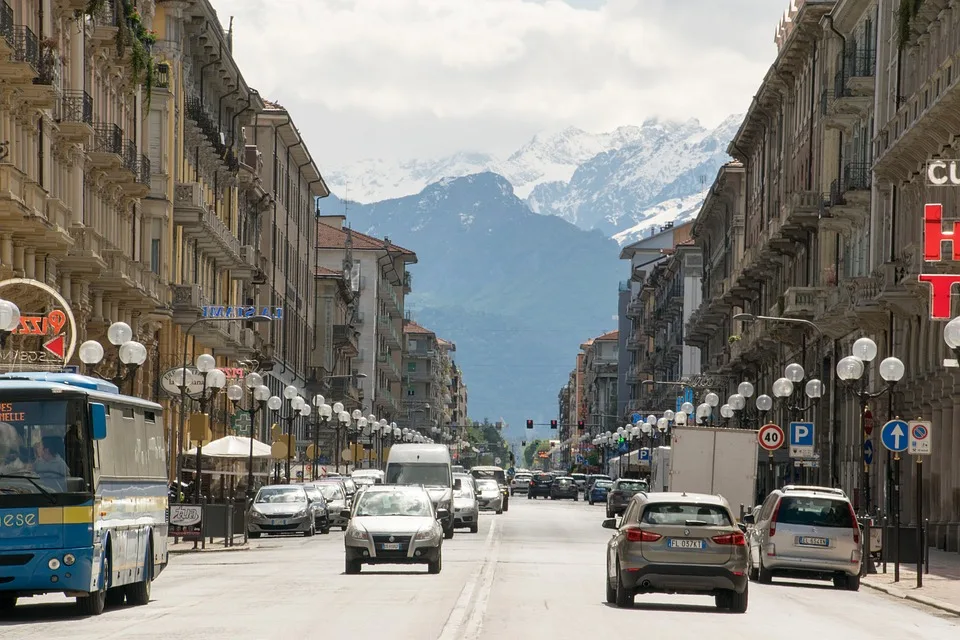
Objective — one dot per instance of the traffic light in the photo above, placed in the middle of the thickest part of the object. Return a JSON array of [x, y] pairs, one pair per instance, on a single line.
[[523, 443], [529, 424], [580, 425], [553, 424]]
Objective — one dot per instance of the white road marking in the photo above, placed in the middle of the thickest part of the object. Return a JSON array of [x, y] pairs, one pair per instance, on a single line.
[[475, 622], [451, 630]]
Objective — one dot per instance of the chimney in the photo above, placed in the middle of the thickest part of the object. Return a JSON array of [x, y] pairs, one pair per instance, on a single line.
[[332, 221]]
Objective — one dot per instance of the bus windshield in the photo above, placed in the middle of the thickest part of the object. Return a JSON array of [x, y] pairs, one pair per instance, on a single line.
[[43, 447]]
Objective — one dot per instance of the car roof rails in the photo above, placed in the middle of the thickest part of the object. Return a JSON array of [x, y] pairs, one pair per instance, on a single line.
[[814, 489]]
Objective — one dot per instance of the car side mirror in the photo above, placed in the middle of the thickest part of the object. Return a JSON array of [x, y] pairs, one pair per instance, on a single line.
[[742, 526], [609, 523], [345, 513], [748, 519], [457, 484], [98, 420], [443, 514]]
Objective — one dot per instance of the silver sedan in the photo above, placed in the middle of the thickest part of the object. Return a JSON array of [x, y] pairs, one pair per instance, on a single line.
[[281, 509], [466, 509]]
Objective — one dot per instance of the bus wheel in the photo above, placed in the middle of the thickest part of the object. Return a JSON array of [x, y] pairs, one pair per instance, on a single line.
[[138, 593], [93, 603]]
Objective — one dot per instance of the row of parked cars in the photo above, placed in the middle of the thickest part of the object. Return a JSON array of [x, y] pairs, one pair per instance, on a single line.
[[692, 543], [615, 494]]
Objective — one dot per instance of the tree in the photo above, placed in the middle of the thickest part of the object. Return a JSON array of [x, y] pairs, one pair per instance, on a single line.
[[532, 449], [486, 437]]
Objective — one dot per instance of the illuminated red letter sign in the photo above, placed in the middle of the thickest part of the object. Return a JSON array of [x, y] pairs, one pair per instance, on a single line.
[[934, 236]]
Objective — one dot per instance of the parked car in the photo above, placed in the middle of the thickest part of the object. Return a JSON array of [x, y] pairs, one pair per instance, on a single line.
[[489, 495], [593, 477], [806, 532], [539, 486], [580, 479], [520, 483], [281, 508], [321, 510], [620, 493], [564, 487], [684, 543], [394, 524], [466, 508], [598, 491]]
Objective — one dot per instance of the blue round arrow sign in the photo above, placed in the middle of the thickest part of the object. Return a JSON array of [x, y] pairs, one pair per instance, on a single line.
[[895, 435]]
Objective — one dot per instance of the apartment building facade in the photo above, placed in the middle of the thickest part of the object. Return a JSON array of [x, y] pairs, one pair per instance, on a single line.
[[637, 295], [820, 219], [378, 274], [425, 378], [600, 359]]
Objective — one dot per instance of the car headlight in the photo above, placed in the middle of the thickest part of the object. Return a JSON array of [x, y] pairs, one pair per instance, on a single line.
[[256, 515], [426, 534], [356, 533], [301, 513]]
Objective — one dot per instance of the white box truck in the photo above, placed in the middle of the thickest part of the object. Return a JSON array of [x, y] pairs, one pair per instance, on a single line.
[[716, 461], [660, 469]]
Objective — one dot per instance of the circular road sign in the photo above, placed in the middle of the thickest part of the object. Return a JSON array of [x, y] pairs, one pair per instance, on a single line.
[[770, 437], [919, 432]]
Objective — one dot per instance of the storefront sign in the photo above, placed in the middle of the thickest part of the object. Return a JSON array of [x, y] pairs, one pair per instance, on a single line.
[[220, 311], [186, 521], [42, 340], [934, 235], [943, 173]]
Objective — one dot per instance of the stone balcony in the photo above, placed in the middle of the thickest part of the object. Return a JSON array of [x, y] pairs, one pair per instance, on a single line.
[[213, 236], [801, 302], [386, 363], [756, 343], [74, 117], [849, 204], [387, 326], [345, 338], [86, 256], [25, 209]]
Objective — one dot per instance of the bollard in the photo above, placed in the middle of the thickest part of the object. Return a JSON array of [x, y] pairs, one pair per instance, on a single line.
[[926, 546], [228, 534], [883, 543]]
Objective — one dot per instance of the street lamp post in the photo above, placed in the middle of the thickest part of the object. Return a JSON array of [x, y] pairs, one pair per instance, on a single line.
[[851, 371], [738, 402], [324, 412], [213, 379], [261, 394], [130, 355]]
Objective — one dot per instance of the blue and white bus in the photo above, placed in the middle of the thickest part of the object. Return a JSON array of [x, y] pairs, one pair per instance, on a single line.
[[83, 491]]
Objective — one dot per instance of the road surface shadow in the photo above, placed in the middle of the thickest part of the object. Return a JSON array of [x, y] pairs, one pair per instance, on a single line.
[[662, 606], [804, 585], [393, 573], [45, 612]]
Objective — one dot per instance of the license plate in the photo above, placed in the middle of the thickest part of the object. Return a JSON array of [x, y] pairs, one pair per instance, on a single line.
[[807, 541], [390, 546], [679, 543], [279, 522]]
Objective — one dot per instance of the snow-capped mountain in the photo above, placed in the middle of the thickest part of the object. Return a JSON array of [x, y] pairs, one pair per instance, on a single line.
[[673, 210], [611, 181]]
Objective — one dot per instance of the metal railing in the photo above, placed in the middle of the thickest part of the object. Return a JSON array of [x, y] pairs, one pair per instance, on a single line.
[[6, 22], [130, 157], [26, 47], [162, 76], [860, 63], [76, 106], [144, 168], [108, 138], [856, 176]]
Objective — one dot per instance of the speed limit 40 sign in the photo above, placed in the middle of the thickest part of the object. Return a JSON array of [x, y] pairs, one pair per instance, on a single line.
[[770, 437]]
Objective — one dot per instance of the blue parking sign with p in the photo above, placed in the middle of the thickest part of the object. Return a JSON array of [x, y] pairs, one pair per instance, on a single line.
[[801, 434]]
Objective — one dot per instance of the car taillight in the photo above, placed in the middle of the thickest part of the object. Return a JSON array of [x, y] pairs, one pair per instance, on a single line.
[[532, 483], [856, 525], [735, 539], [773, 519], [640, 535]]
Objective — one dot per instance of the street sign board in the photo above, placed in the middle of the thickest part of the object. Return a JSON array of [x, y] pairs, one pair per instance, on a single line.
[[920, 444], [497, 461], [71, 368], [868, 451], [801, 439], [241, 423], [644, 455], [867, 422], [894, 435], [635, 418], [770, 437]]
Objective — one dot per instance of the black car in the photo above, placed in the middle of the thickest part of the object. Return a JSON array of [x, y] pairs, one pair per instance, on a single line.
[[564, 487], [619, 495], [540, 486]]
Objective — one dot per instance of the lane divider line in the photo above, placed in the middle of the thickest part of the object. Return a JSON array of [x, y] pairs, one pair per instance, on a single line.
[[451, 630]]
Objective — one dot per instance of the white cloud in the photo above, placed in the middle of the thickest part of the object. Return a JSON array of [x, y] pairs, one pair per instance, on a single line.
[[401, 78]]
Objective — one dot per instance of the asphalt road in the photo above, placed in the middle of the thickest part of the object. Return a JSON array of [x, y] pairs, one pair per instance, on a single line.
[[534, 572]]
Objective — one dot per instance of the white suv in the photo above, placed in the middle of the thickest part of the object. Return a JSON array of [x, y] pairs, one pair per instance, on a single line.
[[520, 483], [806, 532]]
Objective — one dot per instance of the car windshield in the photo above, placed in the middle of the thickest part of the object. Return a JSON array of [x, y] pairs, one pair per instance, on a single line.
[[393, 503], [314, 494], [632, 486], [465, 491], [331, 492], [278, 495], [602, 484], [496, 474], [487, 485], [45, 444], [686, 514], [815, 512], [430, 475]]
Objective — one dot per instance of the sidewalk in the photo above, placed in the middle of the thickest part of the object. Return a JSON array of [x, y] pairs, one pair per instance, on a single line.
[[941, 587], [217, 545]]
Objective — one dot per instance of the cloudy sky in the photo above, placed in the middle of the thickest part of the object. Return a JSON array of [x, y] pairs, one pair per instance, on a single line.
[[398, 79]]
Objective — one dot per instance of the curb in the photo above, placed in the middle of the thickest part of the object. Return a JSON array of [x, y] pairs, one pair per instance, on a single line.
[[235, 548], [930, 602]]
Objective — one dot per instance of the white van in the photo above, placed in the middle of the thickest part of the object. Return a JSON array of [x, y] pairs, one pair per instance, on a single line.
[[428, 465]]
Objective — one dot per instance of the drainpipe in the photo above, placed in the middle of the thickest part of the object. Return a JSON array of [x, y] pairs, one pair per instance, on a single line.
[[233, 122], [220, 107], [316, 256], [204, 68]]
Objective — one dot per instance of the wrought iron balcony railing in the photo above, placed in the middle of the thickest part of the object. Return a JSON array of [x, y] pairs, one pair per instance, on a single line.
[[76, 106], [108, 138]]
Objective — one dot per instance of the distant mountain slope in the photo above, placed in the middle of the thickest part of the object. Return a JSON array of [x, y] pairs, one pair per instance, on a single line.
[[516, 291], [602, 181]]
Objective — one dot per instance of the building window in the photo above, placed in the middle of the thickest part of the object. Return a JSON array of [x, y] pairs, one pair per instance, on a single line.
[[155, 255], [411, 367], [412, 345], [411, 391]]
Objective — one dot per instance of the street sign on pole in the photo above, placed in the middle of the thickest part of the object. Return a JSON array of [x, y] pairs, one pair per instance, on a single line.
[[644, 455], [801, 439], [868, 452], [635, 418], [770, 437], [894, 436], [920, 444]]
